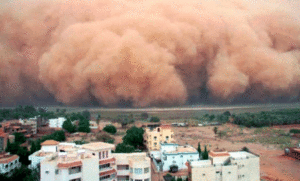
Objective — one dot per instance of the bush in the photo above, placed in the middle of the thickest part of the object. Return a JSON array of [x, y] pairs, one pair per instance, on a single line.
[[295, 131], [245, 149], [124, 148], [105, 137], [110, 129], [154, 119], [173, 168]]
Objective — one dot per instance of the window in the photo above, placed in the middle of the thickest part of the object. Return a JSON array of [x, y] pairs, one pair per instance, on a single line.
[[74, 170], [138, 171], [103, 154], [146, 179], [203, 174], [104, 177], [138, 180], [146, 170], [56, 171], [229, 172], [167, 137], [47, 172], [123, 167], [131, 170], [155, 144], [155, 138], [104, 166], [99, 155], [76, 179], [106, 154]]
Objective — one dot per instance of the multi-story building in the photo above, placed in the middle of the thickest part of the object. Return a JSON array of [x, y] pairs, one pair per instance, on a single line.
[[133, 167], [155, 136], [172, 154], [3, 140], [223, 165], [32, 122], [8, 162], [19, 126], [57, 122]]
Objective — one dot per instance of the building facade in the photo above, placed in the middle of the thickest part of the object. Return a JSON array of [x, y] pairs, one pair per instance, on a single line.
[[133, 167], [3, 140], [89, 162], [8, 162], [172, 154], [57, 122], [155, 136], [226, 166]]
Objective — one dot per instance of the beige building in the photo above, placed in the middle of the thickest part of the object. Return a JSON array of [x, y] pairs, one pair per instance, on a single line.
[[226, 166], [89, 162], [154, 136], [133, 167]]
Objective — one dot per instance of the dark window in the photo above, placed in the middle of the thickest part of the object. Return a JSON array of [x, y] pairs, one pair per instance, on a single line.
[[74, 170]]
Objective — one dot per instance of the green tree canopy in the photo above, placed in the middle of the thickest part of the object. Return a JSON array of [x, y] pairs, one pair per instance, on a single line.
[[19, 138], [68, 126], [205, 154], [84, 126], [134, 137], [110, 129], [155, 119], [124, 148]]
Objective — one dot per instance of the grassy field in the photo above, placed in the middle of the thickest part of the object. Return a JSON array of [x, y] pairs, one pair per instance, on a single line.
[[184, 112]]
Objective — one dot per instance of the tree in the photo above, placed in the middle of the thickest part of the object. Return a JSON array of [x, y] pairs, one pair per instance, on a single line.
[[212, 117], [215, 130], [199, 150], [33, 147], [8, 145], [245, 149], [98, 118], [226, 113], [68, 126], [19, 138], [124, 148], [144, 115], [84, 126], [86, 114], [134, 137], [110, 129], [205, 154], [155, 119]]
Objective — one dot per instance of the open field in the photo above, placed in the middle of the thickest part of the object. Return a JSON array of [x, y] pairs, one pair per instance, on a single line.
[[183, 112]]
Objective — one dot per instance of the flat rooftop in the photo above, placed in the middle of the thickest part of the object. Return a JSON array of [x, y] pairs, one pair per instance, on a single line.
[[98, 146], [241, 155]]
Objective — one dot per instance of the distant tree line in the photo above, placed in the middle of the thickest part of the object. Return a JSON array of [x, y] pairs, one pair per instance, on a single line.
[[271, 118]]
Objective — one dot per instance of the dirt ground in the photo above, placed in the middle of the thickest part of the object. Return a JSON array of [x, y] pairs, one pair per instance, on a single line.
[[273, 164]]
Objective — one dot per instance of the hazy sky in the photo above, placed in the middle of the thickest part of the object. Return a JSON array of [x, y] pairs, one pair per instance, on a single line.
[[149, 52]]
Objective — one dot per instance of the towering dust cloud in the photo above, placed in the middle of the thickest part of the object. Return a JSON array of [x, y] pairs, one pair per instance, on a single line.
[[149, 52]]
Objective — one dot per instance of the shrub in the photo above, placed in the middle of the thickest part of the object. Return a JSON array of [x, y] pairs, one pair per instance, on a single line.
[[295, 131], [110, 129], [105, 137], [154, 119]]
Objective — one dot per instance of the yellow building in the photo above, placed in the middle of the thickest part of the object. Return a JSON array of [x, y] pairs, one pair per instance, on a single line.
[[154, 136]]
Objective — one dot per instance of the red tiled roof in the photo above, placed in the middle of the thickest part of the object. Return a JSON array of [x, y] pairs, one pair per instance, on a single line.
[[69, 164], [102, 162], [165, 126], [9, 158], [50, 142], [108, 172], [2, 134]]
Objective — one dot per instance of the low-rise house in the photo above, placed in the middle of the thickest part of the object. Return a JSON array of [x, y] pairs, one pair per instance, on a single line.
[[223, 165], [155, 136], [31, 122], [57, 122], [8, 162], [171, 154], [133, 166]]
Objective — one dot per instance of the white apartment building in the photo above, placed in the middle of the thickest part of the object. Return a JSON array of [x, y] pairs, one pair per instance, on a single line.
[[226, 166], [172, 154], [89, 162], [8, 162], [133, 167], [57, 122]]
